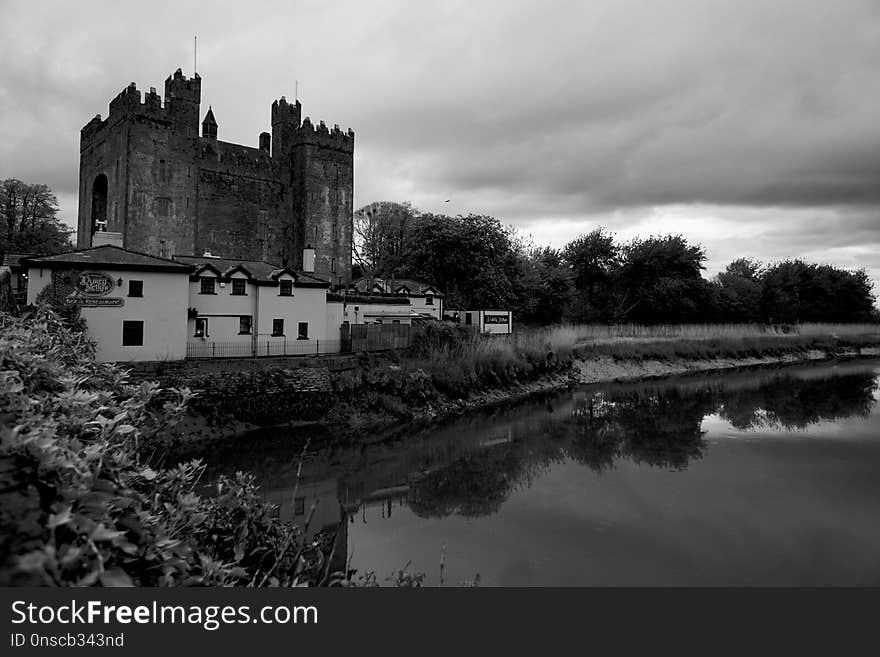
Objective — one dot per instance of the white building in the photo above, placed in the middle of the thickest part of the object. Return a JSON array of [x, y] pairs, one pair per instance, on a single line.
[[375, 309], [249, 307], [134, 304], [425, 300], [496, 322], [141, 307]]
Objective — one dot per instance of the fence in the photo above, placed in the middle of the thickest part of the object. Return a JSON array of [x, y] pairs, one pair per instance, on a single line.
[[376, 337], [354, 338], [196, 349]]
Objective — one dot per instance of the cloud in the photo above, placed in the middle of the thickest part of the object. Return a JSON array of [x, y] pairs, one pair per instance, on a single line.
[[758, 116]]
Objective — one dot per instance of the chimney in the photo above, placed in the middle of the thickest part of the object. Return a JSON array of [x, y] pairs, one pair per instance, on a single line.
[[309, 259]]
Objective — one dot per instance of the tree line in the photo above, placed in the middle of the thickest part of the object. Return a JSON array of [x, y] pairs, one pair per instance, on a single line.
[[480, 263]]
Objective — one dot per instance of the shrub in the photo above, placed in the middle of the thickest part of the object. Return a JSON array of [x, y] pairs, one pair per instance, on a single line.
[[78, 437]]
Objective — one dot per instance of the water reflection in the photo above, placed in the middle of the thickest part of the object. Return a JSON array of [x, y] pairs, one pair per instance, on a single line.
[[471, 467]]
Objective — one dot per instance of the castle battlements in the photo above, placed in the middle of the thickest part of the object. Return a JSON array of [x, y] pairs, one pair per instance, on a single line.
[[282, 110], [180, 93], [236, 155], [320, 135]]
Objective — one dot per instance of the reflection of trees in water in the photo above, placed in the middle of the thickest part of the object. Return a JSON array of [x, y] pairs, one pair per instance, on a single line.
[[479, 483], [792, 403], [660, 428], [655, 425], [657, 430]]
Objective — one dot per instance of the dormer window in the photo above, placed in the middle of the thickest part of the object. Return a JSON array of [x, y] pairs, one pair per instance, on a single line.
[[402, 290], [285, 288], [207, 285], [429, 299], [239, 286]]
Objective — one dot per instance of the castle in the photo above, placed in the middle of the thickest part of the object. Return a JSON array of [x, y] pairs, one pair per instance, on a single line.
[[149, 182]]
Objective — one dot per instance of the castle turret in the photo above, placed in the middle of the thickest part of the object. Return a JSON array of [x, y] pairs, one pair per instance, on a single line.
[[182, 98], [209, 125], [285, 121]]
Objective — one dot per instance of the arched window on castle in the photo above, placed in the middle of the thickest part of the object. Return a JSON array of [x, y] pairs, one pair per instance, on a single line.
[[99, 203]]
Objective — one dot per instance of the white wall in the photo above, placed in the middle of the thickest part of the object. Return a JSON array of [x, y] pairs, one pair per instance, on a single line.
[[357, 312], [334, 317], [307, 304], [223, 309], [162, 309], [420, 305]]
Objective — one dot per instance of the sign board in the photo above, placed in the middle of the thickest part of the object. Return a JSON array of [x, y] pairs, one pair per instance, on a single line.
[[98, 302], [94, 284]]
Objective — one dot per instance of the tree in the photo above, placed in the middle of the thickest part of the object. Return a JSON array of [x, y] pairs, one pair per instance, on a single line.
[[474, 260], [795, 291], [545, 288], [29, 219], [659, 281], [738, 291], [592, 258], [381, 231]]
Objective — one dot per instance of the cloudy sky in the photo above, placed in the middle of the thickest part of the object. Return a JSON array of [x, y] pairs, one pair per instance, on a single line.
[[749, 126]]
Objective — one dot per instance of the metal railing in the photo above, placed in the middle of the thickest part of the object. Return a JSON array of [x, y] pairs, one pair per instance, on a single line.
[[200, 349]]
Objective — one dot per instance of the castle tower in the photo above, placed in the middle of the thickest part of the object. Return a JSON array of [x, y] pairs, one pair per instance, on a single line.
[[285, 122], [209, 125], [323, 190], [182, 98]]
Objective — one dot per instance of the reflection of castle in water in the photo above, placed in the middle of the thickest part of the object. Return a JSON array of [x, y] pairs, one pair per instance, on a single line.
[[471, 466]]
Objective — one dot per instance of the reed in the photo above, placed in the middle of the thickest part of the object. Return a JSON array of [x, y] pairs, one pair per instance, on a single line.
[[472, 360]]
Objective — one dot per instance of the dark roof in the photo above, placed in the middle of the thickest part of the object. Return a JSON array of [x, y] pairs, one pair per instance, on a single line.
[[11, 260], [209, 117], [391, 299], [106, 255], [391, 286], [258, 269]]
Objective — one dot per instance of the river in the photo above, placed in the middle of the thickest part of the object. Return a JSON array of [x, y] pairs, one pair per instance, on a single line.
[[760, 477]]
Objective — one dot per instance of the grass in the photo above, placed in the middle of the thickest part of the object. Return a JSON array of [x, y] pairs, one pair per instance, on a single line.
[[574, 334], [706, 340], [472, 361]]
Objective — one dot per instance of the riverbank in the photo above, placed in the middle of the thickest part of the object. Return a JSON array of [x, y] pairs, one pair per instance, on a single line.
[[385, 394]]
